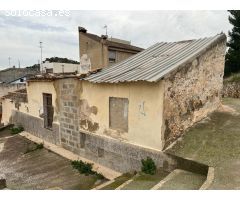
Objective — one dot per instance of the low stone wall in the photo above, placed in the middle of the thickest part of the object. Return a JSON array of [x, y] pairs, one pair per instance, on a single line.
[[115, 154], [35, 126], [231, 89]]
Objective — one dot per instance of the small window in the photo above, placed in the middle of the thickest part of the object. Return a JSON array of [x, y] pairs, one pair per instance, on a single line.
[[21, 80], [118, 113], [112, 56], [49, 70], [47, 110]]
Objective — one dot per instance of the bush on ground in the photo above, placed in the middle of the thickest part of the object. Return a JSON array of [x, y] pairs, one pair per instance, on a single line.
[[85, 168], [148, 166], [16, 130]]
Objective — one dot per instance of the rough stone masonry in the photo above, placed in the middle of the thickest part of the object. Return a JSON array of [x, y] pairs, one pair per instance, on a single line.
[[193, 91]]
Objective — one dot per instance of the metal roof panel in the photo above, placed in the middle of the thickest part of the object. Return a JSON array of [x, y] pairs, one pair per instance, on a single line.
[[155, 62]]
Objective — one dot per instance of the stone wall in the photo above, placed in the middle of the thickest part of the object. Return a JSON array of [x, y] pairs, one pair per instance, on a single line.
[[192, 92], [35, 126], [231, 89], [115, 154]]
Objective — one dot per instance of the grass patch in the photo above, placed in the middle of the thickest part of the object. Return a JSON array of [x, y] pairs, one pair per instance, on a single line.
[[184, 181], [215, 142], [233, 78], [146, 181], [16, 130], [86, 168], [37, 146], [118, 181]]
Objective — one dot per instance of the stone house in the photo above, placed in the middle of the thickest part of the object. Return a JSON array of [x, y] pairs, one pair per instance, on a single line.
[[133, 109], [104, 51]]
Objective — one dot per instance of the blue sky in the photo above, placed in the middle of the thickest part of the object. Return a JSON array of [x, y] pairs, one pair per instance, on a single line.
[[20, 36]]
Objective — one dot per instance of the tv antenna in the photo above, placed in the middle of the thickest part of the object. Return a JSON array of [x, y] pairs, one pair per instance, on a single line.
[[9, 61], [18, 63], [105, 26], [41, 55]]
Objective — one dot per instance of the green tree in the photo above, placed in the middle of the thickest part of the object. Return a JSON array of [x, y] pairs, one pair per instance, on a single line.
[[61, 60], [232, 62]]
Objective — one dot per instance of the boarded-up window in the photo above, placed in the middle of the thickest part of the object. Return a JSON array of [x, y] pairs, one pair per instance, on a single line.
[[47, 110], [118, 113], [49, 70]]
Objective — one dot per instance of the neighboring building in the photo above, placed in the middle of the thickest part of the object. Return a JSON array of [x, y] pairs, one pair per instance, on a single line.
[[5, 88], [16, 75], [55, 67], [131, 110], [104, 51], [20, 80], [13, 79]]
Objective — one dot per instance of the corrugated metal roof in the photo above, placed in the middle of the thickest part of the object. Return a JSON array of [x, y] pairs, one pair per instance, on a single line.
[[155, 62]]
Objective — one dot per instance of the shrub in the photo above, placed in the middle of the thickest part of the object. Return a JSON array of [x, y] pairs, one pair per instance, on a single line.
[[82, 167], [40, 146], [85, 168], [16, 130], [148, 166], [99, 176]]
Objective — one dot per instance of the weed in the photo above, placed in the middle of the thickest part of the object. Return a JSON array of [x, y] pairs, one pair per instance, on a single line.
[[16, 130], [85, 168], [148, 166], [82, 167], [99, 175], [38, 146], [233, 78]]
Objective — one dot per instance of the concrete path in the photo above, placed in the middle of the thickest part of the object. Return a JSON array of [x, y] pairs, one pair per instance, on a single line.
[[107, 172], [38, 169]]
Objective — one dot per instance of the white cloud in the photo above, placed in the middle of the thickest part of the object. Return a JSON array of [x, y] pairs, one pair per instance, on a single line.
[[20, 36]]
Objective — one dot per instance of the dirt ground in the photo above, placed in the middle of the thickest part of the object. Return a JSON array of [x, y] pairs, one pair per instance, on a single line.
[[37, 169], [216, 142]]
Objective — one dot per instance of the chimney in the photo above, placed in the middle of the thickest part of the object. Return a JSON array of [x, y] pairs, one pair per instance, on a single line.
[[82, 29], [104, 37]]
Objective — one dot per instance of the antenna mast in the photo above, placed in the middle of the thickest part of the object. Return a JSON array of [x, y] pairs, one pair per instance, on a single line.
[[41, 69], [105, 26], [9, 62]]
